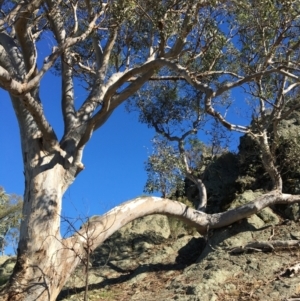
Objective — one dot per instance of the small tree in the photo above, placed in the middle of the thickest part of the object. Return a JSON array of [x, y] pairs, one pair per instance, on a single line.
[[169, 166], [163, 169], [176, 112]]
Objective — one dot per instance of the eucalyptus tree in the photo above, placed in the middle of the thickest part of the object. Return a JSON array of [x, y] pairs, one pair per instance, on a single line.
[[114, 48], [268, 41]]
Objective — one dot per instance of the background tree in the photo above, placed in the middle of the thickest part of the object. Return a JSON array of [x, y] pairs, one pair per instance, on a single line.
[[272, 96], [163, 169], [10, 218], [114, 48]]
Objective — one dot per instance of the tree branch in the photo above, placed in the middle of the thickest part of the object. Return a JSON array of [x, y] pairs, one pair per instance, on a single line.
[[36, 110], [24, 36], [57, 51], [187, 25], [109, 105], [96, 43], [99, 228], [8, 83], [67, 103], [99, 89], [270, 245], [10, 17], [230, 126]]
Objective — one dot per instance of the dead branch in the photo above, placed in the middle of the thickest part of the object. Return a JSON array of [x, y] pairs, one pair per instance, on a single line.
[[266, 246]]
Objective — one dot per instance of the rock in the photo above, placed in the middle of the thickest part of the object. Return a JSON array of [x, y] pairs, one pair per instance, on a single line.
[[133, 239], [295, 235], [268, 216], [219, 179], [3, 259], [255, 221], [292, 212], [244, 198], [156, 224]]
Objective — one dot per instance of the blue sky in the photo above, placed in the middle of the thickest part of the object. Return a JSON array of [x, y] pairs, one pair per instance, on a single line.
[[113, 158]]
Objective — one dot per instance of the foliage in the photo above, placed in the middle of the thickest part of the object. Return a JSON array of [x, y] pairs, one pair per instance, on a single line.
[[10, 218], [163, 169]]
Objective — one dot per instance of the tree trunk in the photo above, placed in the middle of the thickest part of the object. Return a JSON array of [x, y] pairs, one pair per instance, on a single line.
[[202, 194], [269, 161], [44, 260]]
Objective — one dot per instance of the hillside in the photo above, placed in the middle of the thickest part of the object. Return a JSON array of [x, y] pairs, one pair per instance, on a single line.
[[159, 258], [149, 266]]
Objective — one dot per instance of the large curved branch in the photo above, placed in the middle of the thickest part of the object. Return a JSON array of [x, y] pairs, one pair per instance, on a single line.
[[119, 79], [109, 100], [99, 228], [110, 104], [116, 100]]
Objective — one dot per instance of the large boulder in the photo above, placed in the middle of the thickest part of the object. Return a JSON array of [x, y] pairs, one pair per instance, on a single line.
[[157, 226]]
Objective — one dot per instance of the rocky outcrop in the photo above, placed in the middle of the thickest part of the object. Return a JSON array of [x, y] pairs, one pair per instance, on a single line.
[[219, 275], [144, 261], [132, 266]]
